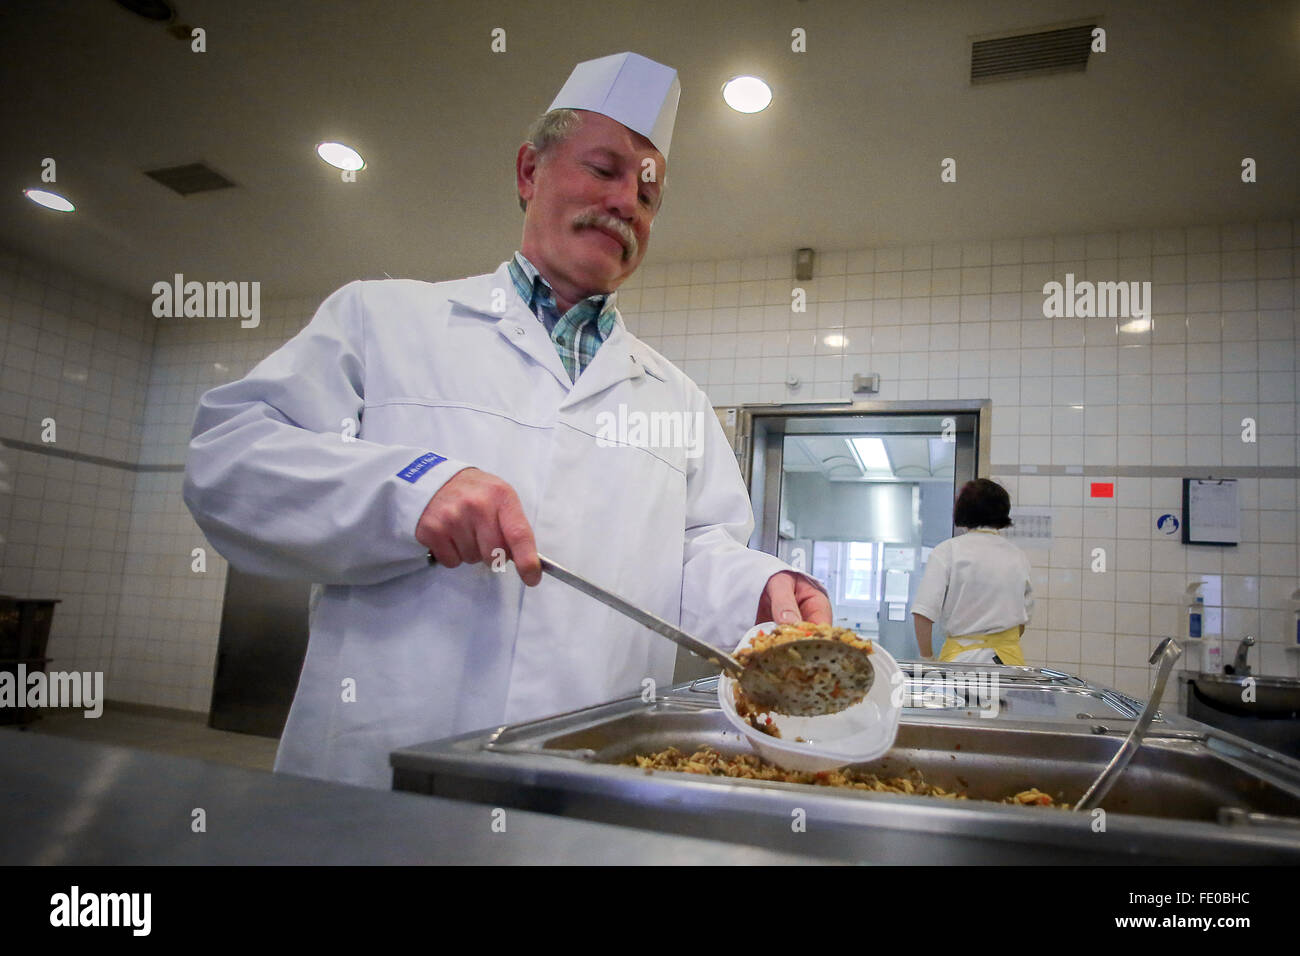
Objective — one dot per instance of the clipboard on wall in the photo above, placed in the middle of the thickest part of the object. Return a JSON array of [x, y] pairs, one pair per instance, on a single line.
[[1211, 513]]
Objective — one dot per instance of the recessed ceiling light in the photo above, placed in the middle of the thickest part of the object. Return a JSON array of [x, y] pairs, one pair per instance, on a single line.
[[871, 452], [49, 200], [835, 341], [340, 156], [747, 94]]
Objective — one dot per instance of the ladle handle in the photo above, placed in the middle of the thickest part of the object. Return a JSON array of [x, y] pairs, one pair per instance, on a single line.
[[1166, 654], [656, 624]]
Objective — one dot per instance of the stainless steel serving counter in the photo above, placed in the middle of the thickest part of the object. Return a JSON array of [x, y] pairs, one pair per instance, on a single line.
[[1191, 795], [74, 803]]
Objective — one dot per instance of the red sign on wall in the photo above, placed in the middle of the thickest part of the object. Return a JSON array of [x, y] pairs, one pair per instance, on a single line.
[[1103, 489]]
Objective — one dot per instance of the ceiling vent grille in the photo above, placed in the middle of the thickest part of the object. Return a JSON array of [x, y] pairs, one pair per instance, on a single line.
[[189, 179], [1031, 54]]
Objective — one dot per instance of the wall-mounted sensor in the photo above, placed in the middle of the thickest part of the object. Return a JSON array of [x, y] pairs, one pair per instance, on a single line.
[[803, 264], [868, 384]]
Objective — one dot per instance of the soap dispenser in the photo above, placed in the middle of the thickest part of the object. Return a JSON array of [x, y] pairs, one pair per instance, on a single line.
[[1196, 611], [1206, 653]]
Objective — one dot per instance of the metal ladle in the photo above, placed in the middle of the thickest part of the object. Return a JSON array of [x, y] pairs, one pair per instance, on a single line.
[[805, 678], [1166, 653]]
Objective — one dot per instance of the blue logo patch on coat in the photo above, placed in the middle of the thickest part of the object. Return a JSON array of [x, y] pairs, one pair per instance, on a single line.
[[415, 469]]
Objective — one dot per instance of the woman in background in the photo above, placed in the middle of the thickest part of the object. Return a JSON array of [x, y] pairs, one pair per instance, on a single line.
[[977, 584]]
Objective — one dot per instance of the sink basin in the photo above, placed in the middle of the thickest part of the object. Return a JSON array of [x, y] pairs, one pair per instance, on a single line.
[[1275, 697], [1271, 719]]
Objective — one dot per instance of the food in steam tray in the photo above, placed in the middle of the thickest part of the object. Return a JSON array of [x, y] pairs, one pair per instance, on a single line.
[[710, 762], [758, 718]]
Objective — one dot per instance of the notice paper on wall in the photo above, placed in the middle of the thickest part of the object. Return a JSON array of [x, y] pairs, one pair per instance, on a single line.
[[1210, 511], [1030, 527], [899, 559], [896, 583]]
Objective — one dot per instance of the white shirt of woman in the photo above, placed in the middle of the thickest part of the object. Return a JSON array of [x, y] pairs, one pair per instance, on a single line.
[[976, 583]]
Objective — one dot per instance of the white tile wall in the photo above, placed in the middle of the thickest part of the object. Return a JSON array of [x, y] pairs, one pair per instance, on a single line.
[[965, 320], [936, 321], [77, 353], [171, 613]]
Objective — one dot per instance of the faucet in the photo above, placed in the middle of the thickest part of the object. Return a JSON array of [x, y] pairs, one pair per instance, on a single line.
[[1239, 664]]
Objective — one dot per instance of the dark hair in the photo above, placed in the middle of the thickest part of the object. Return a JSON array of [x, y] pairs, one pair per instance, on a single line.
[[982, 504]]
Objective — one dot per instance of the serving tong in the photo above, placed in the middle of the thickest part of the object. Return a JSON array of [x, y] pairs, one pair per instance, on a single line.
[[1166, 653]]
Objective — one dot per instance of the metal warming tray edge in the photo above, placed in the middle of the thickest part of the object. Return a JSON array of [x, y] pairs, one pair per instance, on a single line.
[[1191, 795]]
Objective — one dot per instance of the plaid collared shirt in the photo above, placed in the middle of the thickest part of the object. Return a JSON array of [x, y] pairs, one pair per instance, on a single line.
[[581, 331]]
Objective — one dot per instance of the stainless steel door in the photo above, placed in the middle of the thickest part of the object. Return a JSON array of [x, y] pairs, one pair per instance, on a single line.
[[859, 495], [259, 654]]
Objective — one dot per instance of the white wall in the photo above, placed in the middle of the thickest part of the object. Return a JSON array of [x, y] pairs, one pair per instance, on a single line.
[[171, 615], [78, 353], [939, 321], [965, 321]]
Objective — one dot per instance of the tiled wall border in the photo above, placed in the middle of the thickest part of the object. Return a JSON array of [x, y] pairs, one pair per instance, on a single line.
[[1150, 471], [88, 459], [1100, 471]]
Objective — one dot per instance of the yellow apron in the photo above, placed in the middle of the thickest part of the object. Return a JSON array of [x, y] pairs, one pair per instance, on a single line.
[[1006, 644]]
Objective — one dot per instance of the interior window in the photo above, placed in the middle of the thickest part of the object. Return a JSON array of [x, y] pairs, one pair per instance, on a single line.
[[851, 570]]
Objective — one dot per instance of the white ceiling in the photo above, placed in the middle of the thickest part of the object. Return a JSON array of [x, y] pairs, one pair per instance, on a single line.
[[846, 157]]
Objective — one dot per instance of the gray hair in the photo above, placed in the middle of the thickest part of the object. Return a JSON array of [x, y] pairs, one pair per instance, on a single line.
[[549, 130], [553, 128]]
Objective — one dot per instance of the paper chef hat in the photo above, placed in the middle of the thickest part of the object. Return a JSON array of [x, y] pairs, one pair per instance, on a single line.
[[637, 92]]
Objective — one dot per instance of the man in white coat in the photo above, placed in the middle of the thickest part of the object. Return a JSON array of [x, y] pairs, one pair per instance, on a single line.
[[472, 421]]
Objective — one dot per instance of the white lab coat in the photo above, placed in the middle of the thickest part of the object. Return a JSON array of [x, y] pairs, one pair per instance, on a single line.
[[437, 651]]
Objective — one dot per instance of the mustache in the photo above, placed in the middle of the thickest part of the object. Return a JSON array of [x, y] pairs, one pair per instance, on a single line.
[[607, 223]]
